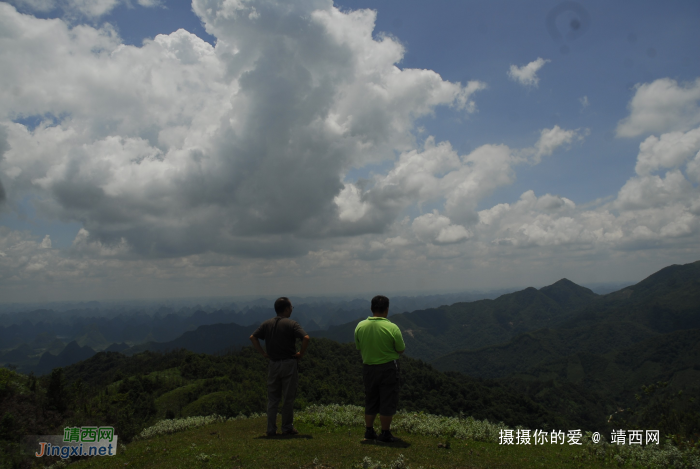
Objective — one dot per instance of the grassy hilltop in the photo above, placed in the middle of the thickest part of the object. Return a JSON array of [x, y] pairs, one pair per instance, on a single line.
[[330, 437]]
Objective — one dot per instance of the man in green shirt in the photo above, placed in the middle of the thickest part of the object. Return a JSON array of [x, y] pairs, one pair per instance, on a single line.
[[380, 342]]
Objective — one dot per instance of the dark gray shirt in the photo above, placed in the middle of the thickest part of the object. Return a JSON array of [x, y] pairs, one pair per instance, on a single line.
[[280, 336]]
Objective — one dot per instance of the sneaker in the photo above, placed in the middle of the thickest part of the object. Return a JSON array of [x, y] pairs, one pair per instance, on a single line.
[[370, 434], [293, 431], [269, 434], [387, 437]]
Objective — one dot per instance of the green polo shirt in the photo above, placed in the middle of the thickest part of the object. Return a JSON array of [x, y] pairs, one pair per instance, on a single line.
[[379, 340]]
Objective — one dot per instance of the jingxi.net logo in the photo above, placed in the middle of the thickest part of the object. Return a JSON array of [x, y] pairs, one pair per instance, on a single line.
[[75, 441]]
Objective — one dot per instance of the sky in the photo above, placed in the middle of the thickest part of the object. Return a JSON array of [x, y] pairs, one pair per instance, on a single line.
[[158, 148]]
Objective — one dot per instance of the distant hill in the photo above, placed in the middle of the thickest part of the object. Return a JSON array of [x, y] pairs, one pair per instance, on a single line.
[[72, 353], [18, 354], [666, 301], [541, 346], [612, 350], [117, 347], [204, 339], [435, 332], [672, 358]]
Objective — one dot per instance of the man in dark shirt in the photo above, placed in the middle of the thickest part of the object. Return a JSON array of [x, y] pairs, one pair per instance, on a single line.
[[280, 334]]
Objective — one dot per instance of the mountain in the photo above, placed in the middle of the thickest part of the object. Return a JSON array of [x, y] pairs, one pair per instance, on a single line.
[[204, 339], [654, 313], [673, 358], [71, 354], [568, 295], [541, 346], [93, 338], [666, 301], [117, 347], [435, 332], [18, 354]]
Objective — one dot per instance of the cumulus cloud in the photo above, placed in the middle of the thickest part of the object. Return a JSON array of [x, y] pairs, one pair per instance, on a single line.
[[662, 106], [224, 149], [650, 210], [551, 139], [438, 229], [186, 160], [527, 74], [669, 151], [584, 102]]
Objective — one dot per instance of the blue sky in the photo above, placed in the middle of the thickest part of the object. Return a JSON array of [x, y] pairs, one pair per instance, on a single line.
[[362, 217]]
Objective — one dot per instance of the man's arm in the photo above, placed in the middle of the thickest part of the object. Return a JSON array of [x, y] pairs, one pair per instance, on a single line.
[[257, 346], [304, 344], [398, 342]]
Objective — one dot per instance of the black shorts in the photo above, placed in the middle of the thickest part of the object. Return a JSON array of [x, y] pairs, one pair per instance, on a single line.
[[381, 388]]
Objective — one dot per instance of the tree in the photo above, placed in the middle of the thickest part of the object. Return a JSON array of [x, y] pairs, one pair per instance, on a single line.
[[56, 392]]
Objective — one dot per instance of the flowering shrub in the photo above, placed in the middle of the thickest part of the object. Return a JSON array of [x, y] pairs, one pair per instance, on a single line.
[[436, 425], [333, 415], [411, 422], [165, 427]]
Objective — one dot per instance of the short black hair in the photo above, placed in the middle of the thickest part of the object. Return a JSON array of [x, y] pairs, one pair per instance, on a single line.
[[380, 304], [281, 304]]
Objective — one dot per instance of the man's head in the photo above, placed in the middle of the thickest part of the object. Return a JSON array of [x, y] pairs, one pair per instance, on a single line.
[[380, 305], [283, 307]]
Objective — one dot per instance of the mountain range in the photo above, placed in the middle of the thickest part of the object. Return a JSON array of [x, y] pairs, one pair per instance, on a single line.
[[558, 354]]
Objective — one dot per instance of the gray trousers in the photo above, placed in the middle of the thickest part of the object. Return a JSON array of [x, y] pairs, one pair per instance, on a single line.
[[282, 378]]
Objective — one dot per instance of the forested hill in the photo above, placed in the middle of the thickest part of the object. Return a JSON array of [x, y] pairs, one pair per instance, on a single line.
[[133, 392], [434, 332], [564, 318], [665, 302]]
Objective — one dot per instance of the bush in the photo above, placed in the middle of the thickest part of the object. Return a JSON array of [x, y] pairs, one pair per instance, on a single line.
[[418, 423]]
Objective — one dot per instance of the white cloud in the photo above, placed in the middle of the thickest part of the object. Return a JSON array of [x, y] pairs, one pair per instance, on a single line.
[[46, 242], [438, 229], [662, 106], [670, 151], [693, 168], [92, 8], [350, 205], [527, 74], [653, 191], [178, 147], [584, 102], [551, 139], [182, 160]]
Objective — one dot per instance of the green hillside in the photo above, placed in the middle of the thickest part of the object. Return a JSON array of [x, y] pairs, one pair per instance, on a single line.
[[133, 392], [182, 383], [619, 374], [666, 301], [435, 332], [544, 345], [643, 314]]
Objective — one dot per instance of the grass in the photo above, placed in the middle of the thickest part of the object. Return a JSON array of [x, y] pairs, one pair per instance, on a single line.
[[242, 444]]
